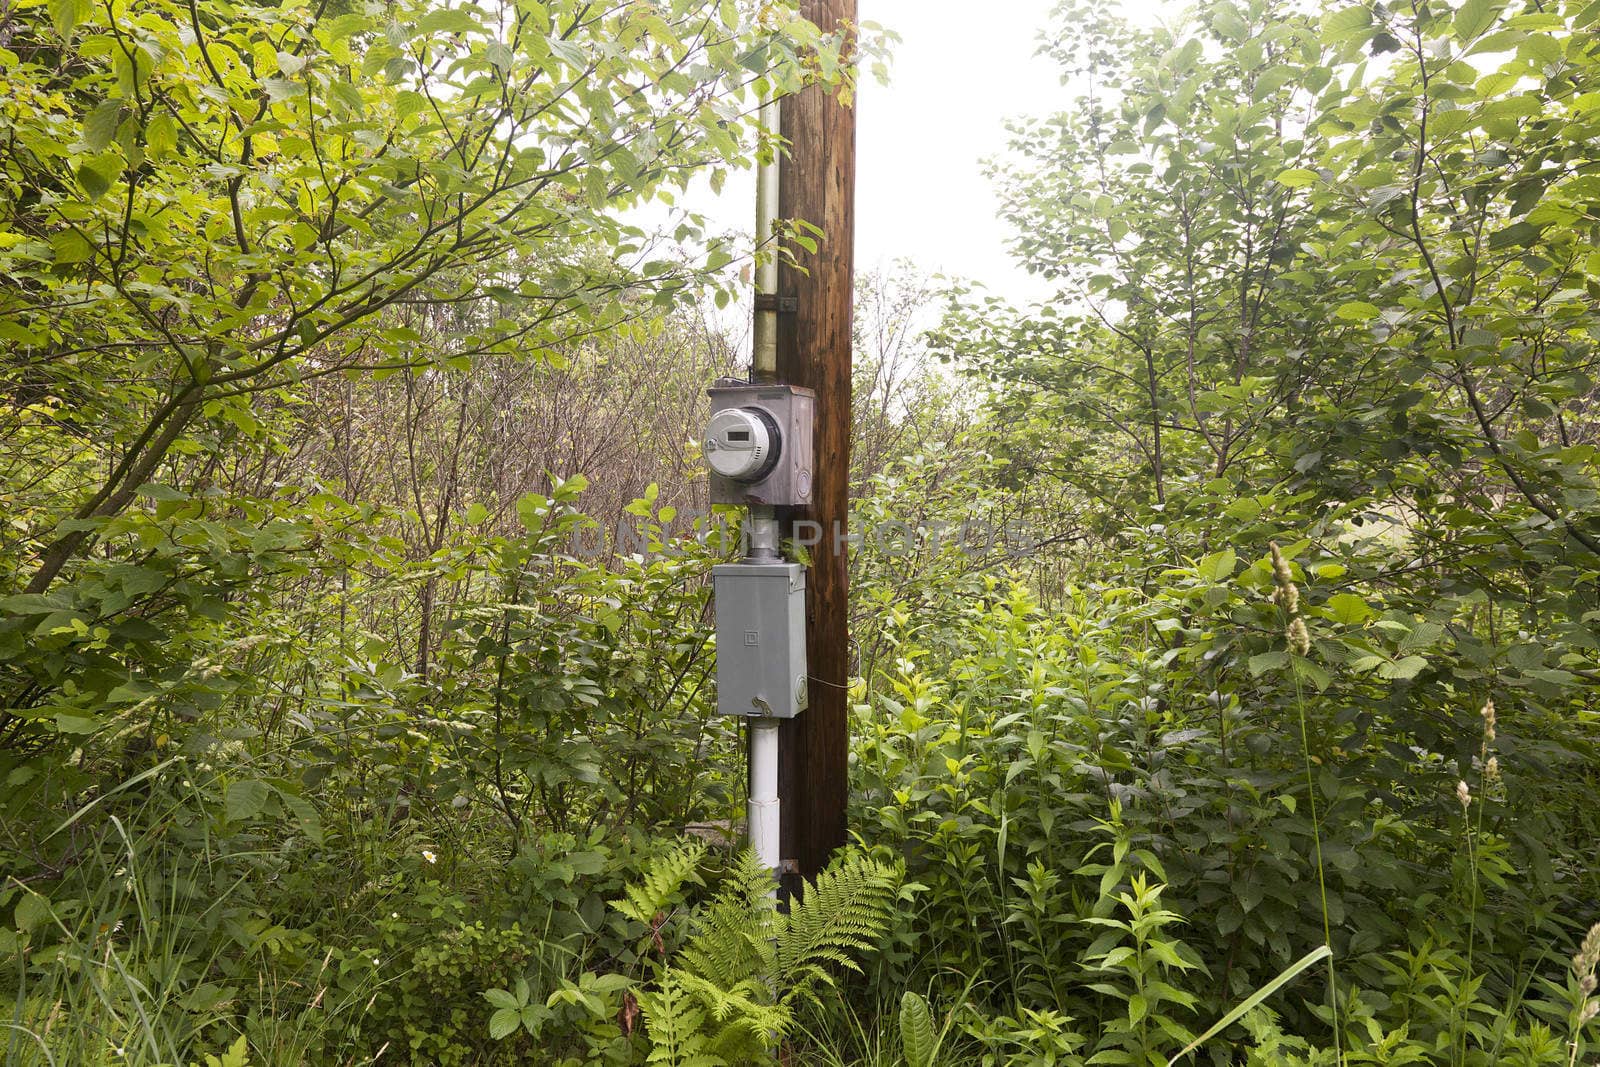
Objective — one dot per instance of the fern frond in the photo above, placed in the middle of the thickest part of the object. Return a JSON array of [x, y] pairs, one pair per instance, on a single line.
[[751, 879], [740, 1025], [844, 912], [746, 999], [662, 886], [750, 1040], [676, 1025], [751, 1024], [733, 935], [726, 996]]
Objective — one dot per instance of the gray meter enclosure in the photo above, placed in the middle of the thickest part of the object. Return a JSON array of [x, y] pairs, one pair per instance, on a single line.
[[761, 639], [791, 409]]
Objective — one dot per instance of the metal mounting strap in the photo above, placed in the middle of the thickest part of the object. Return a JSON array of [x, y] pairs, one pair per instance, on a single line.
[[781, 304]]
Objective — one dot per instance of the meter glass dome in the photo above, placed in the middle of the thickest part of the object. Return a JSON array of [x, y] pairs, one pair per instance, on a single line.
[[742, 444]]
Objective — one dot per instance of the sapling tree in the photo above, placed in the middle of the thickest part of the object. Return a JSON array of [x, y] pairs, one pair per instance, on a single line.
[[204, 203], [207, 201], [1177, 332]]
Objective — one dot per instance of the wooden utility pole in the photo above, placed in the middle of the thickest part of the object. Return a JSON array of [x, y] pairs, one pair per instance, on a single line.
[[817, 184]]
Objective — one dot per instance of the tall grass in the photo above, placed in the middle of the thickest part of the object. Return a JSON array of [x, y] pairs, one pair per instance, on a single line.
[[150, 946]]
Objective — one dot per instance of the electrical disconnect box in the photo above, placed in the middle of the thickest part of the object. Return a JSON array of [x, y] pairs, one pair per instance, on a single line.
[[761, 639], [758, 444]]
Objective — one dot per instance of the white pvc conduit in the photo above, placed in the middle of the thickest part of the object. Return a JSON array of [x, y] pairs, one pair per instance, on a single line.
[[762, 814]]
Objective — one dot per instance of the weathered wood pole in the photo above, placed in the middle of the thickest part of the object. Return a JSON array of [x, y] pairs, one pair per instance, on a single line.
[[817, 184]]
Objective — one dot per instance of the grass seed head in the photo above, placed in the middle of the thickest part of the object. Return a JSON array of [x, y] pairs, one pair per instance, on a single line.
[[1287, 594], [1298, 636], [1588, 955]]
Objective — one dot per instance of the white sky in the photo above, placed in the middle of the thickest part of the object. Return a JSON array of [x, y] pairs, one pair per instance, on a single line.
[[959, 72]]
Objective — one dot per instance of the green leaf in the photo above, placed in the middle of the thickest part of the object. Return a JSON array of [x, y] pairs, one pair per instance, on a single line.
[[69, 14], [1348, 608], [504, 1023], [409, 103], [161, 136], [305, 815], [476, 514], [11, 330], [101, 124], [917, 1039], [131, 692], [1308, 671], [238, 1055], [611, 983], [1298, 177], [1218, 566], [1227, 22], [1356, 311], [1473, 17], [1274, 78], [33, 910], [568, 489], [245, 799], [755, 60], [348, 95], [70, 246], [1268, 661], [1517, 235], [502, 999], [566, 50], [69, 723], [447, 20], [96, 176], [1347, 23], [1403, 669], [281, 89], [157, 491]]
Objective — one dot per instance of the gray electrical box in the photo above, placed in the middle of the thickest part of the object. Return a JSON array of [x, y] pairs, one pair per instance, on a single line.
[[758, 444], [761, 639]]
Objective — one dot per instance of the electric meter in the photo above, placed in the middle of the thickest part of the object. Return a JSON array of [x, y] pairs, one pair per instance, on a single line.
[[758, 444], [742, 444]]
